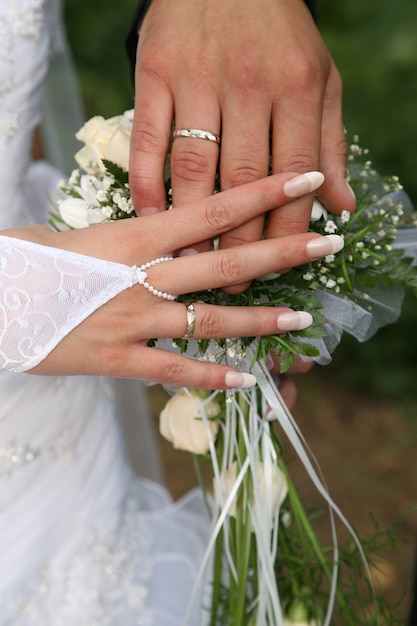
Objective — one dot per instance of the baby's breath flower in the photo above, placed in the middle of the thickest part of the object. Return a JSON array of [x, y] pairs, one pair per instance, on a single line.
[[330, 227], [308, 276], [345, 217], [74, 179], [107, 211], [102, 196], [107, 182]]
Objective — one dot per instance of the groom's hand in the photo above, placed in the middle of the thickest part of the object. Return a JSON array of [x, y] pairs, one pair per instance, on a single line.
[[259, 76]]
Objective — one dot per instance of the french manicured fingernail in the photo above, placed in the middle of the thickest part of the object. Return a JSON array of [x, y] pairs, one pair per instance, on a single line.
[[302, 184], [294, 320], [239, 380], [321, 246], [188, 252]]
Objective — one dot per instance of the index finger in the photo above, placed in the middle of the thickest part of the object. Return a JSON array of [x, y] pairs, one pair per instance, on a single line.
[[208, 218]]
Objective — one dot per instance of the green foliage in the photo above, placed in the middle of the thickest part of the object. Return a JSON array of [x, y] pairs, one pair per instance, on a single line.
[[119, 174], [96, 31], [374, 45]]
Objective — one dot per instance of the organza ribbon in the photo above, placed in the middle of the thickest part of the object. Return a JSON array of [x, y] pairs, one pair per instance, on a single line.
[[258, 446]]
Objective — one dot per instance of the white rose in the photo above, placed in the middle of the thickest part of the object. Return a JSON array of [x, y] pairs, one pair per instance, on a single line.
[[105, 139], [180, 422], [277, 485]]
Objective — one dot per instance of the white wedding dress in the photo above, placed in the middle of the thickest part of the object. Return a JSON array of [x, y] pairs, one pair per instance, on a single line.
[[82, 542]]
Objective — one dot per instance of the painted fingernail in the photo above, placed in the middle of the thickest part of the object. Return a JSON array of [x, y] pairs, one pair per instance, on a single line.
[[302, 184], [328, 244], [188, 252], [239, 380], [294, 320]]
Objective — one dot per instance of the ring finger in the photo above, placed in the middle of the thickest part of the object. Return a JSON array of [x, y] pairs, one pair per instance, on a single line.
[[194, 159], [209, 321]]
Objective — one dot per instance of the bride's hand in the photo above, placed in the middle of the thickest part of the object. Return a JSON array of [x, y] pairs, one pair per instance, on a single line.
[[112, 341]]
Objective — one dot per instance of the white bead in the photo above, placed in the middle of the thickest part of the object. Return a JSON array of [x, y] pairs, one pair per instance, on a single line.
[[147, 285]]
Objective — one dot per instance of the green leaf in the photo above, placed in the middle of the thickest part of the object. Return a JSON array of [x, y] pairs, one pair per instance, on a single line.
[[286, 362], [116, 171], [306, 349]]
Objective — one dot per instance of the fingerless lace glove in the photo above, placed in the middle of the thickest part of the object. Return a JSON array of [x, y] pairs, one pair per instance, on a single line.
[[45, 293]]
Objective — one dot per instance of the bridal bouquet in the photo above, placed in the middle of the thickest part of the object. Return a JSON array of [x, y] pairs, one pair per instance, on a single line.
[[267, 567]]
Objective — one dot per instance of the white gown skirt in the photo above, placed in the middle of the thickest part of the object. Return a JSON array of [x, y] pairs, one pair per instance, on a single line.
[[82, 541]]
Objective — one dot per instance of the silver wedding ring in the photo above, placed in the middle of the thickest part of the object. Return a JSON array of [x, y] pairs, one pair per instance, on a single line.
[[196, 133], [189, 331]]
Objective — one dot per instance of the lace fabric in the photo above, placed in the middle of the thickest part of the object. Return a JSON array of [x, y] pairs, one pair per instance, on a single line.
[[46, 292]]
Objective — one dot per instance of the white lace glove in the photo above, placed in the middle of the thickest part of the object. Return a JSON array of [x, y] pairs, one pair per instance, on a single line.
[[46, 292]]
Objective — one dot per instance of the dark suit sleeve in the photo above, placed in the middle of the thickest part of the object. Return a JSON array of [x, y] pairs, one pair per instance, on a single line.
[[143, 6], [133, 37]]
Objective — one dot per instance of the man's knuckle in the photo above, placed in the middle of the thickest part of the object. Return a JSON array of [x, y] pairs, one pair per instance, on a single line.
[[191, 166], [300, 162], [245, 172], [247, 70], [147, 138], [307, 75]]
